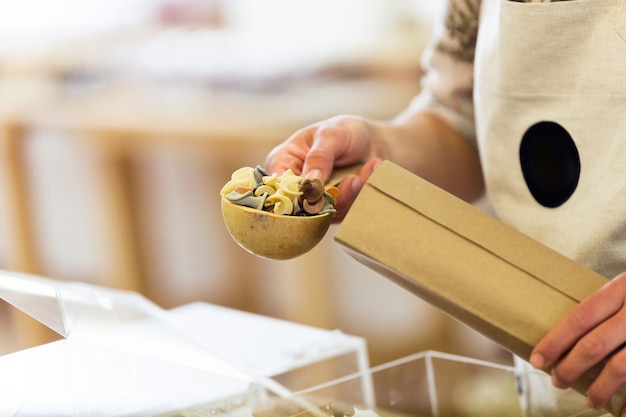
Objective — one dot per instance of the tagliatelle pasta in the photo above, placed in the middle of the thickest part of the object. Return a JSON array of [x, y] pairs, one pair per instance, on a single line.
[[285, 194]]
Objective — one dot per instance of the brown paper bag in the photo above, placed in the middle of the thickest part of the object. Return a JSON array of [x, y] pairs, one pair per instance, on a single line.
[[460, 259]]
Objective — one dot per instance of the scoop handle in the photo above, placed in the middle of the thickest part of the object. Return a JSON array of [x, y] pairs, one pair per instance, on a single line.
[[340, 173]]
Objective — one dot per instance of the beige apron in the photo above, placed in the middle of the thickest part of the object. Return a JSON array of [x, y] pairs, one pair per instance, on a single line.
[[550, 85]]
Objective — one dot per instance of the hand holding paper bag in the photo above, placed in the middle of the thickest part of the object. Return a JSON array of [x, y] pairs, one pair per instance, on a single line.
[[590, 334]]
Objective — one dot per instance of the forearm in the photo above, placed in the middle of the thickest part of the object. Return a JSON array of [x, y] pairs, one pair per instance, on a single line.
[[434, 150], [434, 136]]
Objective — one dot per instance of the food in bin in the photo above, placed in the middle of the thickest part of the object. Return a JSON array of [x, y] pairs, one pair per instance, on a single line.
[[301, 407]]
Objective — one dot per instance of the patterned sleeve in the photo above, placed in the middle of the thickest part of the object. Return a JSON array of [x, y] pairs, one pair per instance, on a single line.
[[447, 84]]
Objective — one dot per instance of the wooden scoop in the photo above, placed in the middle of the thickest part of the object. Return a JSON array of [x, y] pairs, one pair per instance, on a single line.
[[275, 236]]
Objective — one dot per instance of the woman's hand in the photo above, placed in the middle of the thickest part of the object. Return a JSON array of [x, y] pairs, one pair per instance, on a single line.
[[593, 331], [420, 142], [316, 150]]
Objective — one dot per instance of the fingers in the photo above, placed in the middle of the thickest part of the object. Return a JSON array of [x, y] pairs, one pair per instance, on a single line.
[[587, 316], [291, 153], [340, 141], [612, 377], [350, 187], [321, 157], [586, 336], [590, 350], [577, 323], [315, 150]]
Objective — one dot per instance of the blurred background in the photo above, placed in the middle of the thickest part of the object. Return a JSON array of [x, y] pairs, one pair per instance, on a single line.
[[120, 121]]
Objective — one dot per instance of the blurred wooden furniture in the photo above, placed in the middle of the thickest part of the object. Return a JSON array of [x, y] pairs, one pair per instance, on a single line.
[[117, 124]]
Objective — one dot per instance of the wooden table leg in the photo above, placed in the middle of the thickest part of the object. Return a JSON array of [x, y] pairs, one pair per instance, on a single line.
[[122, 266], [21, 255]]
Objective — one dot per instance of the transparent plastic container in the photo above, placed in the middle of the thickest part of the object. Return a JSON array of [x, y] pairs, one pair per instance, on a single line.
[[433, 384], [122, 356]]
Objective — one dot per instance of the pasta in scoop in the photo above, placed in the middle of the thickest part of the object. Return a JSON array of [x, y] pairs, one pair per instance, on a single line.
[[286, 194]]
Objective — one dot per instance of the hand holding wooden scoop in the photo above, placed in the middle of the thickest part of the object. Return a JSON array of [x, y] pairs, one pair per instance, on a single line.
[[277, 236]]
